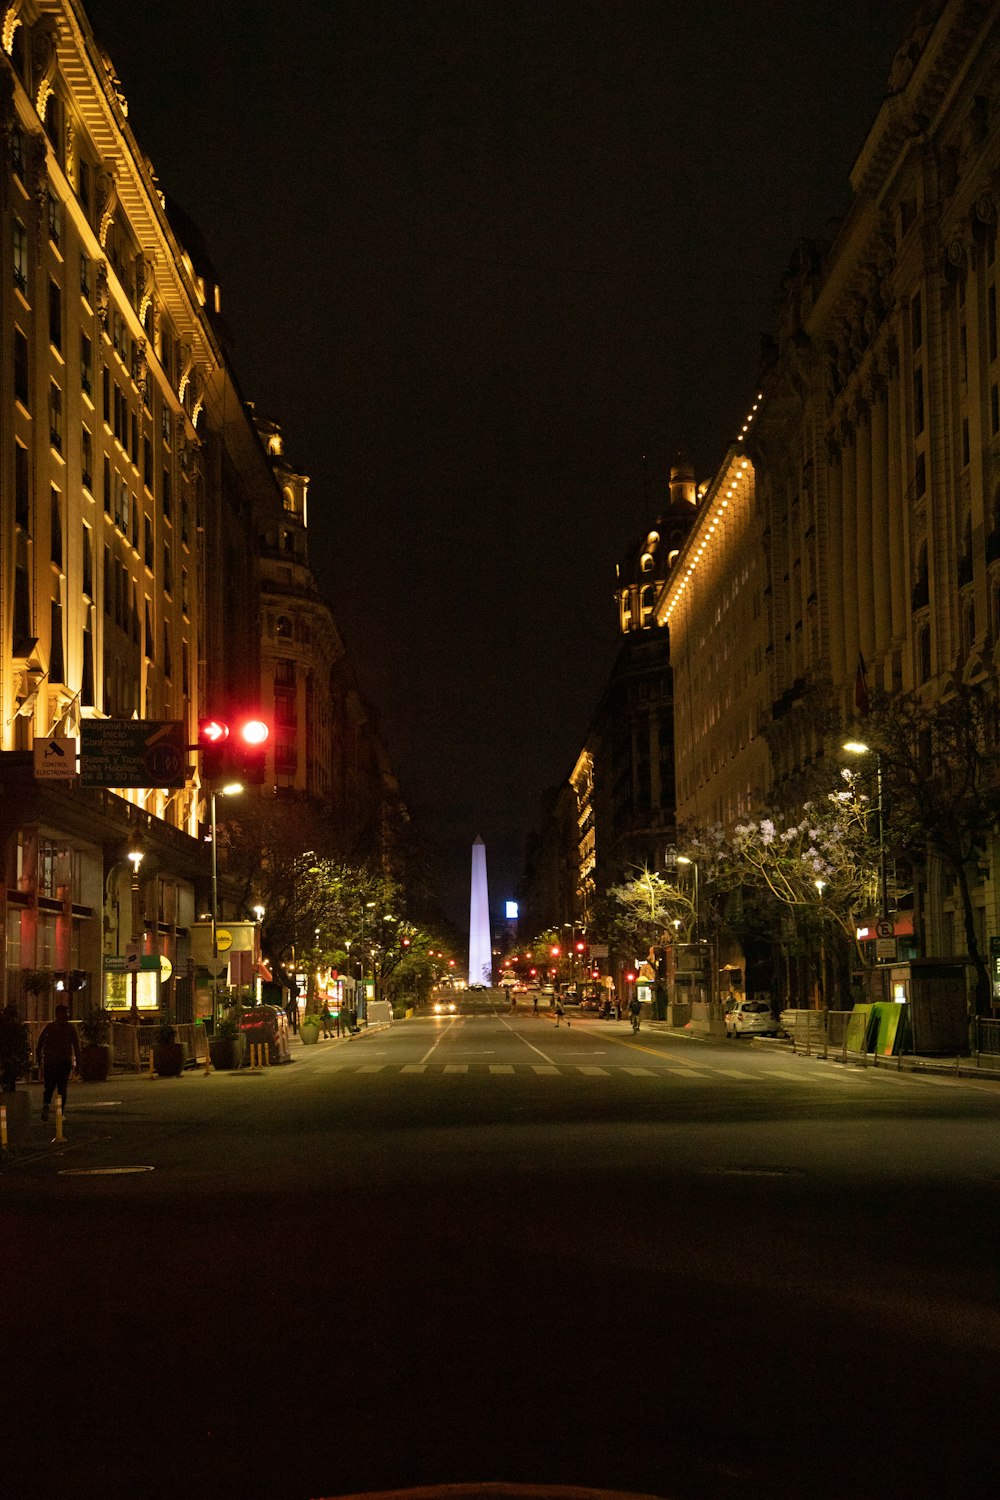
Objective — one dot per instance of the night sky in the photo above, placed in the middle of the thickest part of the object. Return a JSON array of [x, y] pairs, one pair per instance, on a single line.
[[490, 265]]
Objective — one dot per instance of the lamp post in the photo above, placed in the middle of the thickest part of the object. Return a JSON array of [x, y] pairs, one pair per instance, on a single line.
[[858, 747], [820, 887], [682, 859], [135, 856], [368, 906], [233, 789]]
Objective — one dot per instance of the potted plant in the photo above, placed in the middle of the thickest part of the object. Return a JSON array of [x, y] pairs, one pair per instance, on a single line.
[[168, 1052], [226, 1046], [309, 1028], [15, 1059], [97, 1056]]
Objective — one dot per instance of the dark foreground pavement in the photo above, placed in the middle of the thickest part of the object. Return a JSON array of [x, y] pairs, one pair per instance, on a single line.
[[725, 1285]]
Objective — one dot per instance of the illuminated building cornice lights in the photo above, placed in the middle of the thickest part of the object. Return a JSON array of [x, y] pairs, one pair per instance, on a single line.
[[710, 526]]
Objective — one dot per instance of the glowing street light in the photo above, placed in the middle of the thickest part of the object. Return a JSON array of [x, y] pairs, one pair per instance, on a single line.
[[858, 747]]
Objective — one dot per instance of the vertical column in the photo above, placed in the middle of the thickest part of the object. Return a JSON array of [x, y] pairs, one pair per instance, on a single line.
[[849, 547], [830, 562], [880, 523], [863, 498], [899, 572]]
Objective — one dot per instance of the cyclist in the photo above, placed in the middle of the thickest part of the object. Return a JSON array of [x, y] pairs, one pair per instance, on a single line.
[[633, 1010]]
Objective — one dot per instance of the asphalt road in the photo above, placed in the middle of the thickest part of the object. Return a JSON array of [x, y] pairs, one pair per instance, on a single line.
[[484, 1247]]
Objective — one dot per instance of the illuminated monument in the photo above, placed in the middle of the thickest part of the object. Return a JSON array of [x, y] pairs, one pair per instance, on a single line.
[[480, 945]]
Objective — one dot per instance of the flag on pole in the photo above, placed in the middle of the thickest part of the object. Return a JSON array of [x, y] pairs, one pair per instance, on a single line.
[[861, 700]]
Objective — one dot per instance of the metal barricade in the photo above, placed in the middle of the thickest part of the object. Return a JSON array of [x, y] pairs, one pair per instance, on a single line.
[[987, 1037]]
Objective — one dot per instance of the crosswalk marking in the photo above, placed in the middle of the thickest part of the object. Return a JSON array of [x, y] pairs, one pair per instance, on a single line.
[[667, 1072]]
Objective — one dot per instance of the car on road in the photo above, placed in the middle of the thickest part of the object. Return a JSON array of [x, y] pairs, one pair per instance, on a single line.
[[444, 1007], [266, 1025], [750, 1018]]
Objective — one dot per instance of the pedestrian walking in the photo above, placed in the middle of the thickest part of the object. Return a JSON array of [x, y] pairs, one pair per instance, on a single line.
[[327, 1019], [560, 1012], [57, 1053]]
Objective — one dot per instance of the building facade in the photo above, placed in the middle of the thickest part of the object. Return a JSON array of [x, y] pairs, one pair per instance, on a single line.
[[153, 554], [865, 485]]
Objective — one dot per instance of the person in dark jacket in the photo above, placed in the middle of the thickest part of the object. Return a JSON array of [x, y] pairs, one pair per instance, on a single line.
[[57, 1053]]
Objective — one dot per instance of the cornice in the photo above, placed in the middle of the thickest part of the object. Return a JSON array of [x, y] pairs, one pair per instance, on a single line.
[[95, 98]]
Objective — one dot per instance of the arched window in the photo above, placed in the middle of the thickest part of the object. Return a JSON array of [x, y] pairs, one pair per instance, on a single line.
[[923, 653], [921, 589], [647, 562], [283, 628]]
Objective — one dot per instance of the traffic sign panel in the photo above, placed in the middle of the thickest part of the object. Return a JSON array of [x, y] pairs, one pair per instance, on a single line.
[[133, 753], [885, 927]]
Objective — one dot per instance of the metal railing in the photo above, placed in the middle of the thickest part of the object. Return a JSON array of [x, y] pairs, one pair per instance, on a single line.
[[824, 1032]]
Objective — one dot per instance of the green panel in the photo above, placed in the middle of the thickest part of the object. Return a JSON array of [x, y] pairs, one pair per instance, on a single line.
[[857, 1027]]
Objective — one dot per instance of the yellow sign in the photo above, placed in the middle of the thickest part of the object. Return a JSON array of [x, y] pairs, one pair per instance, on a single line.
[[223, 939], [166, 968]]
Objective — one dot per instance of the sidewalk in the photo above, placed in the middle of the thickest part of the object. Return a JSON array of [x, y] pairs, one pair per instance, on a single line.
[[954, 1067]]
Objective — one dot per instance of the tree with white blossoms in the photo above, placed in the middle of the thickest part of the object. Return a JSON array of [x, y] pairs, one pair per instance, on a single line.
[[820, 861], [643, 912]]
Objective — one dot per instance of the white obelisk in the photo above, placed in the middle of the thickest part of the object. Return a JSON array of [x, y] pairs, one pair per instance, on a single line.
[[480, 943]]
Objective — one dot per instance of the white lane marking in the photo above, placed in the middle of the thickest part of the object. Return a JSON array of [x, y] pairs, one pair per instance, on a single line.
[[456, 1067], [640, 1072], [524, 1039], [413, 1068], [372, 1068], [592, 1072], [437, 1044], [734, 1073], [547, 1072], [501, 1068], [682, 1073]]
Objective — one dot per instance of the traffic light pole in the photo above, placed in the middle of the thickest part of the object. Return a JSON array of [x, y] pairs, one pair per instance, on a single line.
[[215, 921]]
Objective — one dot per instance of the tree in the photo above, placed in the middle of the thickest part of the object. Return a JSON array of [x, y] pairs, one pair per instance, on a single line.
[[643, 911], [940, 766], [800, 870]]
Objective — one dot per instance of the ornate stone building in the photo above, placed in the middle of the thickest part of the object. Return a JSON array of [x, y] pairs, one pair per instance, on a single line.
[[864, 517], [615, 812], [144, 534]]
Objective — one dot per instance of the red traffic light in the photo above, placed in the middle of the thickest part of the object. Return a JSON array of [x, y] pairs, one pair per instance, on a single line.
[[253, 732], [581, 947], [250, 750], [212, 731]]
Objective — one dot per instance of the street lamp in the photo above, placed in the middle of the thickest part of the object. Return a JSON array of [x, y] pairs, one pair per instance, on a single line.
[[682, 859], [232, 789], [368, 906], [858, 747], [135, 856]]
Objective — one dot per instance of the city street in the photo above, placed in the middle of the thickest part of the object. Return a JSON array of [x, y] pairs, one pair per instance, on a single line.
[[484, 1247]]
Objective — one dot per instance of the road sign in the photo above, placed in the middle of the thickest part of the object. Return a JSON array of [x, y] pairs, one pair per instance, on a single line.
[[223, 939], [885, 927], [885, 947], [55, 759], [133, 753], [133, 958]]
